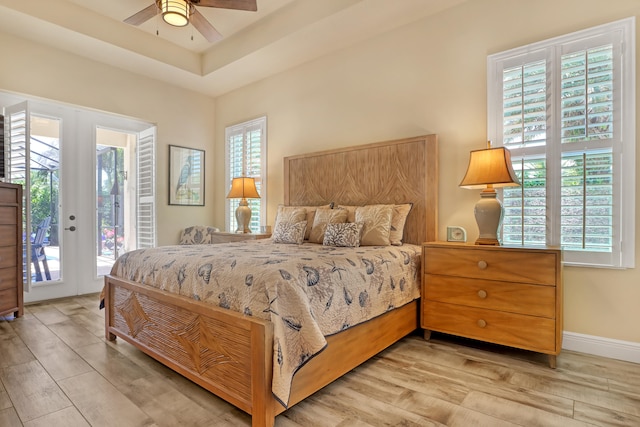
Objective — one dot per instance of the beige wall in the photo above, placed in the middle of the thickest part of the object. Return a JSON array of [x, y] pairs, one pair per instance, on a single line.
[[182, 117], [430, 77]]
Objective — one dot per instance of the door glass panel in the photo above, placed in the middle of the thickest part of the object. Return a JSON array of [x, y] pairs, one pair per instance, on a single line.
[[111, 201], [44, 190]]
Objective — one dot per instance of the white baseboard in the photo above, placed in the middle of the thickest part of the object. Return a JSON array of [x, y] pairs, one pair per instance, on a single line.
[[599, 346]]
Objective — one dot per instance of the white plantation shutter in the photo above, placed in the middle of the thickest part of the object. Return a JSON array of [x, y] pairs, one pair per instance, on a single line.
[[586, 103], [246, 148], [525, 207], [560, 107], [146, 224], [525, 104], [587, 201]]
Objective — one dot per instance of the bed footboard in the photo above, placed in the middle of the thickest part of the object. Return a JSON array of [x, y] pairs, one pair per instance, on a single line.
[[231, 355], [226, 353]]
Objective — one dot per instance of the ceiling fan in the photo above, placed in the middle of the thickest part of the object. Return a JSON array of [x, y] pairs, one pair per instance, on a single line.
[[180, 12]]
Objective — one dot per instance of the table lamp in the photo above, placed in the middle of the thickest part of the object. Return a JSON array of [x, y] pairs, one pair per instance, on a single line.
[[243, 188], [488, 169]]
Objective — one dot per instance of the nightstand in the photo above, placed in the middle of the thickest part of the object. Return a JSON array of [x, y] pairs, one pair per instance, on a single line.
[[504, 295], [226, 237]]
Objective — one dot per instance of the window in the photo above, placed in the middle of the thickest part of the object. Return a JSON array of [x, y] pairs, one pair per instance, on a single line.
[[565, 108], [246, 155]]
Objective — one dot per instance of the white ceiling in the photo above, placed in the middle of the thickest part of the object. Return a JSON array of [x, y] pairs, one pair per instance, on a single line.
[[280, 35]]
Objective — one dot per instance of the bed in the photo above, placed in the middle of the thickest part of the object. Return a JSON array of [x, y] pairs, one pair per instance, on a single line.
[[232, 354]]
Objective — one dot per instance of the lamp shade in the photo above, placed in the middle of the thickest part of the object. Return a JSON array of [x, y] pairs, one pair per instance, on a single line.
[[243, 188], [491, 166], [175, 12]]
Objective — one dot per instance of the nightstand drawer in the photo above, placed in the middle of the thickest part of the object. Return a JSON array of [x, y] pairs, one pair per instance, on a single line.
[[479, 263], [516, 330], [509, 297]]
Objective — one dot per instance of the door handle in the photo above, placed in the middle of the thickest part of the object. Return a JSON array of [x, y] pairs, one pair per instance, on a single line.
[[72, 228]]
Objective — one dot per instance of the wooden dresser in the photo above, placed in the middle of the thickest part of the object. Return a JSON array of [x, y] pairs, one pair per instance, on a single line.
[[11, 248], [226, 237], [504, 295]]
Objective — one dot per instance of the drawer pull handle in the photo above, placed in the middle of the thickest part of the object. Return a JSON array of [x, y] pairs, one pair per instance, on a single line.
[[482, 293], [482, 265], [482, 323]]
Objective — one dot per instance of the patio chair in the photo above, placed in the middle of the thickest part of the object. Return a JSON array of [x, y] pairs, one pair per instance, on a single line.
[[37, 250]]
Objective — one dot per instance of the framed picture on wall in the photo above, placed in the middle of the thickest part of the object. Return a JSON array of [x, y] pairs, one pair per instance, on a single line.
[[186, 176]]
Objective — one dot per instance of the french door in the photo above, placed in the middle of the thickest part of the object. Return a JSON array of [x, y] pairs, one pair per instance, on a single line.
[[80, 173]]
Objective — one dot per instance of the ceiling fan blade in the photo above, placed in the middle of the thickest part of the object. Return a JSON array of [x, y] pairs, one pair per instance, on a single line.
[[204, 27], [143, 16], [228, 4]]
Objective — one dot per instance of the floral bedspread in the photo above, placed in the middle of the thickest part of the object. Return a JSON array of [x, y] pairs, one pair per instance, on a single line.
[[307, 291]]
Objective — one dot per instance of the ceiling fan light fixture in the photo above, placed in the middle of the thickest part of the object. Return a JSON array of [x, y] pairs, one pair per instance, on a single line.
[[175, 12]]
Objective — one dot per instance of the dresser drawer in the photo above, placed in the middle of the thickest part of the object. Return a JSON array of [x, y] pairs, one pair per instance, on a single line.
[[8, 256], [510, 297], [8, 299], [9, 215], [10, 195], [521, 266], [8, 277], [516, 330], [8, 235]]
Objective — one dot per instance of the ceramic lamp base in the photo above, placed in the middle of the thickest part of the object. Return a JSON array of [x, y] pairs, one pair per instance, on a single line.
[[488, 213], [243, 217]]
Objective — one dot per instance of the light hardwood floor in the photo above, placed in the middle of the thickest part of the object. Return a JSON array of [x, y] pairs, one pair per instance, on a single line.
[[56, 369]]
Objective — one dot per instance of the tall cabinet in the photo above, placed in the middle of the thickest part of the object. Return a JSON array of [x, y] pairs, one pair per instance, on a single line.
[[11, 247]]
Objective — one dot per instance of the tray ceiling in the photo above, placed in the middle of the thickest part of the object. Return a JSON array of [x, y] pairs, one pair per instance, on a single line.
[[280, 35]]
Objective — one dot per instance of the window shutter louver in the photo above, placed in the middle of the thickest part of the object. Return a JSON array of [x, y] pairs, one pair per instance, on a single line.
[[587, 201], [525, 207], [587, 95], [524, 105]]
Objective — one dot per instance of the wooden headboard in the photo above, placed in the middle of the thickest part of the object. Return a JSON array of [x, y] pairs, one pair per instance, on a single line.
[[390, 172]]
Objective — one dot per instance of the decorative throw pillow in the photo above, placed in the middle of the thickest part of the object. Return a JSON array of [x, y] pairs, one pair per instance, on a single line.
[[343, 234], [311, 214], [398, 220], [289, 232], [322, 218], [377, 224], [197, 235], [292, 214], [351, 212]]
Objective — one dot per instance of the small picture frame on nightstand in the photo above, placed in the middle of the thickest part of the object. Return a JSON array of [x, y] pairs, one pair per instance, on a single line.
[[456, 233]]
